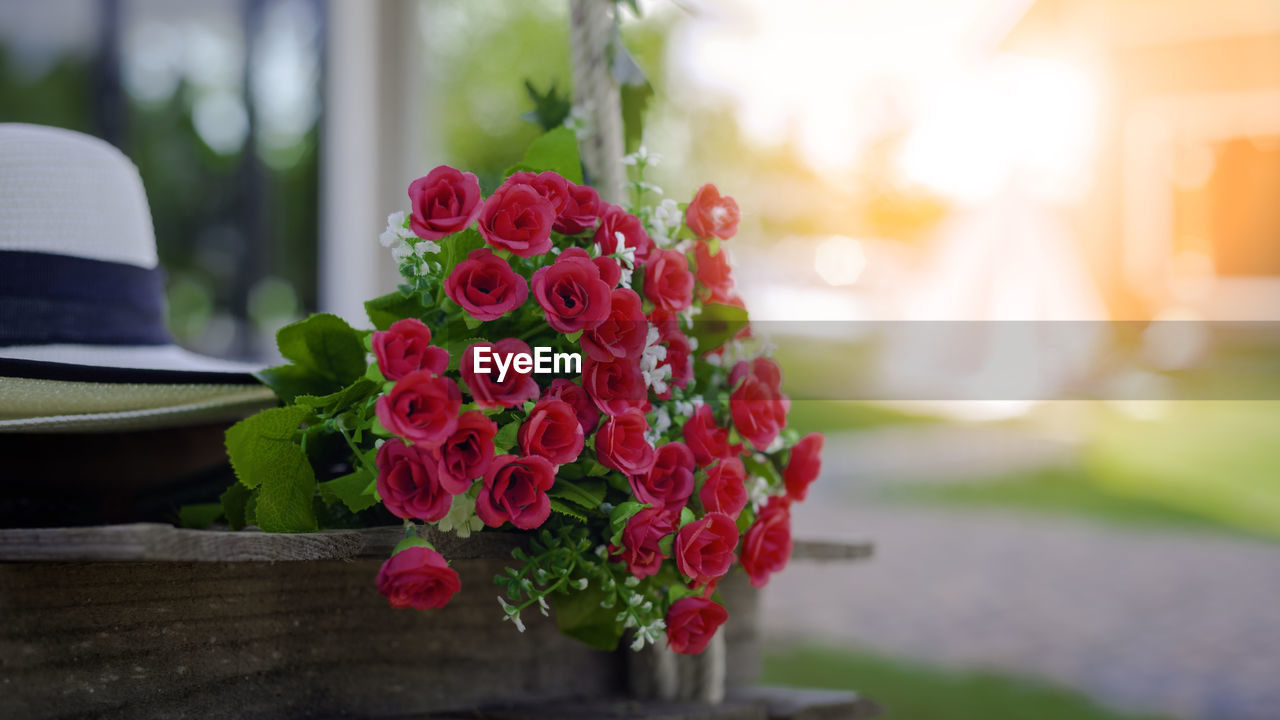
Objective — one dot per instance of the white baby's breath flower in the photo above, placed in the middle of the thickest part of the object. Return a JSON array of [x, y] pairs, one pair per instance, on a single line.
[[580, 583], [402, 252], [423, 248], [776, 445], [688, 314], [684, 408], [667, 213], [461, 518], [638, 644], [758, 492], [624, 253], [661, 420], [685, 246]]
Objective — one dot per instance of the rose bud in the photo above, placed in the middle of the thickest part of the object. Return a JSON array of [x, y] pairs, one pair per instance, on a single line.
[[421, 408], [418, 577], [578, 398], [669, 483], [571, 292], [758, 407], [444, 202], [621, 444], [725, 489], [515, 490], [518, 218], [704, 548], [580, 212], [692, 622], [803, 466], [405, 347], [467, 453], [767, 545], [668, 284], [486, 286], [706, 439], [552, 431], [623, 333], [515, 387], [615, 220], [640, 541], [409, 483], [712, 215], [714, 274]]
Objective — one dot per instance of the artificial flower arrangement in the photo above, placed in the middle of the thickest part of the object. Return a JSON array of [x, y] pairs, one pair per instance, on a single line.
[[641, 476]]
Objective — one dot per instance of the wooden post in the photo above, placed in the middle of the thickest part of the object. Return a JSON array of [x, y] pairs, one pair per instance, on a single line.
[[595, 93]]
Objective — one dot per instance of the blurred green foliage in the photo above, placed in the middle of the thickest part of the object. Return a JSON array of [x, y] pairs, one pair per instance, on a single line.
[[910, 692]]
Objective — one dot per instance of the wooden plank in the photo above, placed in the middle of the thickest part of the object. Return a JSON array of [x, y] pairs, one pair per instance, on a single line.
[[263, 639], [157, 542], [615, 709], [803, 704]]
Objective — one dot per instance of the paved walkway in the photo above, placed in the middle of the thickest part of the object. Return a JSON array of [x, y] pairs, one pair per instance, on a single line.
[[1181, 623]]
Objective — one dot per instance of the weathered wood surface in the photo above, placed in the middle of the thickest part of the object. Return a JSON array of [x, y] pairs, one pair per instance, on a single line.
[[759, 703], [258, 639], [156, 542]]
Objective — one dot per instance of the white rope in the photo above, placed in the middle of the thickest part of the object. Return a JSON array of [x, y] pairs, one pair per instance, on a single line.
[[595, 93]]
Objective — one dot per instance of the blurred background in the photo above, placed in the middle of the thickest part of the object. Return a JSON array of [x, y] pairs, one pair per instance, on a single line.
[[1021, 260]]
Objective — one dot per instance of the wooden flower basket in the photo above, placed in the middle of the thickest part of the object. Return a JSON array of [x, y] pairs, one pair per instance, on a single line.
[[147, 620]]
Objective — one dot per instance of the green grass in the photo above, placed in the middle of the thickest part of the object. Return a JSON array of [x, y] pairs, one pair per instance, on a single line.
[[908, 692], [1194, 464]]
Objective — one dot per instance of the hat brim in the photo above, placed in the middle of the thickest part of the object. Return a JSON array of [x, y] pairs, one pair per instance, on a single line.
[[107, 389]]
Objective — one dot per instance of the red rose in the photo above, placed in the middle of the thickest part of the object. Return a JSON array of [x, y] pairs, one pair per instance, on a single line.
[[692, 622], [615, 386], [552, 431], [488, 392], [444, 202], [580, 211], [714, 274], [758, 407], [466, 454], [610, 271], [640, 540], [621, 444], [485, 285], [704, 548], [667, 281], [803, 466], [669, 483], [725, 489], [515, 490], [518, 218], [767, 545], [409, 482], [709, 214], [549, 184], [571, 292], [706, 439], [574, 394], [615, 220], [418, 577], [624, 331], [421, 408], [405, 347], [666, 321]]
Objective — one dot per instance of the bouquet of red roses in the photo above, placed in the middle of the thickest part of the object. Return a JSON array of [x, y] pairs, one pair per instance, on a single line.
[[554, 364]]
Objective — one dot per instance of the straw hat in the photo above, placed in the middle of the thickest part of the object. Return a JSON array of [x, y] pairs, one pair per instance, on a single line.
[[83, 342]]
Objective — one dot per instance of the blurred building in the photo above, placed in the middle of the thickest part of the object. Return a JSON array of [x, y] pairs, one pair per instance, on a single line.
[[1183, 214]]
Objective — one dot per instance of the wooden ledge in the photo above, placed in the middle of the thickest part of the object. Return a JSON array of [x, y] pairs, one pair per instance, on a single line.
[[149, 542]]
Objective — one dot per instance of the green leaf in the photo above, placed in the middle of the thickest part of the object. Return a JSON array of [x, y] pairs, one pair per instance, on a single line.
[[391, 307], [471, 322], [745, 519], [686, 516], [290, 382], [200, 515], [555, 150], [588, 494], [716, 324], [411, 541], [344, 398], [265, 456], [456, 247], [506, 437], [580, 616], [765, 470], [349, 490], [667, 544], [549, 109], [619, 517], [568, 510], [325, 345], [234, 501]]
